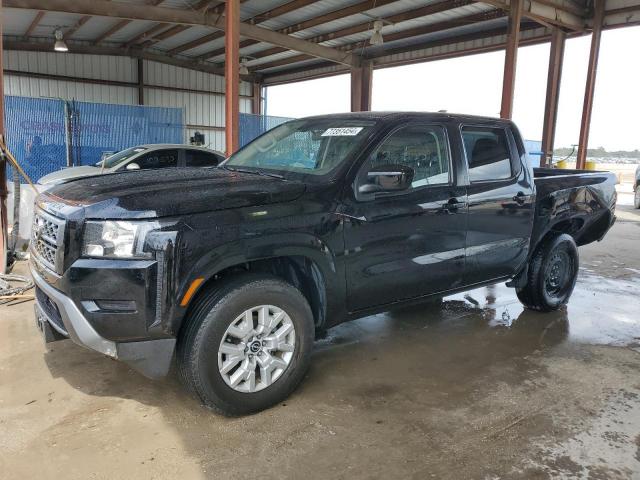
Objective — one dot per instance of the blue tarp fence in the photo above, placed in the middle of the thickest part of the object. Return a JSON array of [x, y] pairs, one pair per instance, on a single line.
[[42, 132], [252, 126]]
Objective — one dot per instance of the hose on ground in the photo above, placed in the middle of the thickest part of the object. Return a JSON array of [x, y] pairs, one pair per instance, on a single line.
[[8, 285]]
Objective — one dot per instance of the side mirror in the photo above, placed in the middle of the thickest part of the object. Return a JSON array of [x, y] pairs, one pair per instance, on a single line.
[[387, 178], [132, 166]]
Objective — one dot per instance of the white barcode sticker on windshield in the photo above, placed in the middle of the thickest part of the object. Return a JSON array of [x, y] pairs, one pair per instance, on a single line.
[[342, 131]]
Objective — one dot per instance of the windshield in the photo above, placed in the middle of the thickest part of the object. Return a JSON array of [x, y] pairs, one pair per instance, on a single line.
[[310, 147], [120, 157]]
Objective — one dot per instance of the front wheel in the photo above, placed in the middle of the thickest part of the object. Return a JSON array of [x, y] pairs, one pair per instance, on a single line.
[[636, 197], [247, 345], [552, 274]]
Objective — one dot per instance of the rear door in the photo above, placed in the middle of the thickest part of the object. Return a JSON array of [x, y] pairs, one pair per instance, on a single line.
[[402, 245], [501, 203]]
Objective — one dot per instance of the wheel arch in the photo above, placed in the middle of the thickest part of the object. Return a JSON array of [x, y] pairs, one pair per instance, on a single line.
[[313, 271]]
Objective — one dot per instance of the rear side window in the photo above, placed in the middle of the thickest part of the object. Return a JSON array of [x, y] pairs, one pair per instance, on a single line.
[[488, 153], [198, 158]]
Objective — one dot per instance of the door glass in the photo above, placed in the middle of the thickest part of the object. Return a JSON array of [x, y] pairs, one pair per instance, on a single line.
[[198, 158], [421, 147], [487, 152], [158, 159]]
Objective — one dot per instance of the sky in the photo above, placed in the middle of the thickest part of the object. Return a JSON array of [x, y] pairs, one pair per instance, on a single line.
[[473, 85]]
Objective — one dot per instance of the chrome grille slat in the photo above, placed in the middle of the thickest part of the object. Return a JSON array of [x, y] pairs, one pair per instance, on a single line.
[[47, 236]]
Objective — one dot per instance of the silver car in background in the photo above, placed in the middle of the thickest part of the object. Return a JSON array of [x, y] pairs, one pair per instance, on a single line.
[[142, 157]]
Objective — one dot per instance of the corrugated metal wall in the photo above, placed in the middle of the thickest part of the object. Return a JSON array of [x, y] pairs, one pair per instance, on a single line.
[[200, 94]]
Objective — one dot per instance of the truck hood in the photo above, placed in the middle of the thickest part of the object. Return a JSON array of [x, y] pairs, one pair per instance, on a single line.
[[67, 174], [171, 192]]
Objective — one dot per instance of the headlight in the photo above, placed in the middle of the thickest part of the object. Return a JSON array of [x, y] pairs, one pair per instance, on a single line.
[[116, 239]]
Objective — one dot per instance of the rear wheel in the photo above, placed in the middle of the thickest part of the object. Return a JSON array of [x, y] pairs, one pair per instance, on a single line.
[[636, 197], [552, 274], [247, 346]]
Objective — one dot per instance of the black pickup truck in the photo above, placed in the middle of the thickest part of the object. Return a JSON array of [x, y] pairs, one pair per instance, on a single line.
[[236, 270]]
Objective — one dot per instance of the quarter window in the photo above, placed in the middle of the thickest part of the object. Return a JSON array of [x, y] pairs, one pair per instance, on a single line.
[[488, 153], [198, 158], [421, 147]]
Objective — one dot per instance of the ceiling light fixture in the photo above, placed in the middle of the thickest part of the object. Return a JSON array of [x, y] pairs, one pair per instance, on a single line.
[[376, 36], [60, 45], [244, 69]]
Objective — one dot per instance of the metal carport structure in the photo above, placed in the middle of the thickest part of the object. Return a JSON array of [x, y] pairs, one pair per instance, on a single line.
[[275, 41]]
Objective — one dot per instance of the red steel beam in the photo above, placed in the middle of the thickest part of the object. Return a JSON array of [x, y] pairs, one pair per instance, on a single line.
[[140, 81], [510, 59], [554, 75], [256, 99], [361, 80], [589, 90], [232, 75]]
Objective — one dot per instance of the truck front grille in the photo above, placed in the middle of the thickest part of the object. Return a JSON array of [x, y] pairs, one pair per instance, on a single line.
[[47, 236]]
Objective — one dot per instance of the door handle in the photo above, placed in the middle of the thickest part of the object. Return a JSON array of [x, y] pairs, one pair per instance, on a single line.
[[453, 205], [520, 198]]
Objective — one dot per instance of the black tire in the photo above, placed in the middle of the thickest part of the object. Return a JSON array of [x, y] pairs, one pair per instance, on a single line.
[[199, 341], [636, 197], [552, 274]]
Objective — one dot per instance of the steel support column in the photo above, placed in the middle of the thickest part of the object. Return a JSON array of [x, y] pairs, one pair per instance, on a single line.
[[256, 99], [554, 75], [140, 81], [510, 58], [592, 69], [361, 86], [3, 171], [232, 75]]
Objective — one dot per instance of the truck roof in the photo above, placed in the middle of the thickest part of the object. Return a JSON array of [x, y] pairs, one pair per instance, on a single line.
[[395, 115]]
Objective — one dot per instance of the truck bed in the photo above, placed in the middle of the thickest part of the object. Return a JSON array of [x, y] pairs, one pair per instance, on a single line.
[[579, 202]]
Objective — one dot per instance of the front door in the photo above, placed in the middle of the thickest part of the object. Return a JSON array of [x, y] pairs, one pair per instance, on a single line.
[[409, 243]]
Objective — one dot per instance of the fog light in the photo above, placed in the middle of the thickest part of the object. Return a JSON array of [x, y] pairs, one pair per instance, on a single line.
[[113, 306]]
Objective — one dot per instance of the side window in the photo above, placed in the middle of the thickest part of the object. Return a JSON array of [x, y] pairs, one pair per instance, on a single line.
[[423, 148], [198, 158], [488, 153], [158, 159]]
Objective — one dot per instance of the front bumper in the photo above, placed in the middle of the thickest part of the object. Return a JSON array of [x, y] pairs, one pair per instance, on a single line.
[[63, 319], [75, 324]]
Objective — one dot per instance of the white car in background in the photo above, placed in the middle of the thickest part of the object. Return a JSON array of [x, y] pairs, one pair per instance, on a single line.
[[143, 157]]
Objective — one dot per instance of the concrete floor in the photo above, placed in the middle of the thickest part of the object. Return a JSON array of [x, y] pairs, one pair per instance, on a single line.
[[477, 388]]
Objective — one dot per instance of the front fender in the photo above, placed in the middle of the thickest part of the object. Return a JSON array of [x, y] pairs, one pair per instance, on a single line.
[[265, 247]]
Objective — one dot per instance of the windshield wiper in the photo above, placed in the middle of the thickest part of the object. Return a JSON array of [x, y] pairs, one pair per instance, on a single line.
[[240, 170], [254, 172]]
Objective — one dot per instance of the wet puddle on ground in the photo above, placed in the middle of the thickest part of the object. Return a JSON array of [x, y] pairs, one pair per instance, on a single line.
[[602, 311]]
